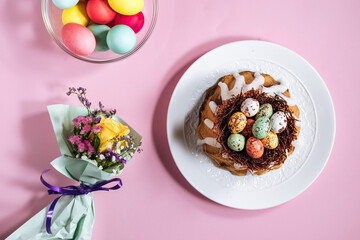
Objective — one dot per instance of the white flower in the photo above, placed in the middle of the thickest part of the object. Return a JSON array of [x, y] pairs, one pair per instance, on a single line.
[[114, 171], [100, 167], [113, 159], [102, 157], [77, 156], [118, 144], [122, 147], [84, 157], [118, 151]]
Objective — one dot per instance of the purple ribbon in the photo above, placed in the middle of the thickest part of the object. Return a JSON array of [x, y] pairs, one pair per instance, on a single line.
[[74, 190]]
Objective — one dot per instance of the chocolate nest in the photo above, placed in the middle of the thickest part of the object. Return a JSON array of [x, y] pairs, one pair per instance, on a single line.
[[271, 157]]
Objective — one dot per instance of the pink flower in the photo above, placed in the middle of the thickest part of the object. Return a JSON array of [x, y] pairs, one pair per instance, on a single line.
[[81, 146], [91, 150], [77, 121], [87, 120], [85, 129], [74, 139], [87, 143], [96, 129]]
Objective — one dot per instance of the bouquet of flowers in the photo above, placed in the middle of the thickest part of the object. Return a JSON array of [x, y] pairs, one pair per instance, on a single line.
[[95, 145]]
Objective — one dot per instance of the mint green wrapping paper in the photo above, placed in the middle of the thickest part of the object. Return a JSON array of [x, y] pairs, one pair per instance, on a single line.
[[73, 216], [73, 219]]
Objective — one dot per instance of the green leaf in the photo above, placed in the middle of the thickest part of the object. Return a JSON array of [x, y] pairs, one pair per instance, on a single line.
[[96, 142]]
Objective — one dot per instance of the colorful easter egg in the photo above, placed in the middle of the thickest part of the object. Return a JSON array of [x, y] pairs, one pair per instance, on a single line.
[[100, 12], [250, 107], [121, 39], [100, 32], [278, 122], [76, 14], [271, 141], [65, 4], [136, 22], [127, 7], [265, 110], [254, 147], [78, 39], [237, 122], [261, 127], [247, 132], [236, 142]]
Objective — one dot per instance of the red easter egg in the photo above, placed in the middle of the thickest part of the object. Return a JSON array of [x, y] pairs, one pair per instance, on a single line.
[[136, 22], [78, 39], [247, 132], [99, 11], [254, 147]]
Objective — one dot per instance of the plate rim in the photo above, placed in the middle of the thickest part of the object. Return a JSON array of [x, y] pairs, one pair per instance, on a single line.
[[259, 43]]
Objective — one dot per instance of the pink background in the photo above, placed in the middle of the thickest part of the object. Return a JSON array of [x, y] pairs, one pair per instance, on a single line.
[[156, 202]]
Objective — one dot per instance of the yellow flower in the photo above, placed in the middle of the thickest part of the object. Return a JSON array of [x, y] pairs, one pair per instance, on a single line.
[[110, 129]]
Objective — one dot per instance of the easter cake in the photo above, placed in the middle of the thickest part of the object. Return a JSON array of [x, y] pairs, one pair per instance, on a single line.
[[248, 123]]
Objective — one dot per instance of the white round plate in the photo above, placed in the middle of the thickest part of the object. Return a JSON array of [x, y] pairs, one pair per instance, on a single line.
[[312, 150]]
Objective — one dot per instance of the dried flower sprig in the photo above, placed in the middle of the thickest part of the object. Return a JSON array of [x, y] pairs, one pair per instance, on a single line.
[[81, 94]]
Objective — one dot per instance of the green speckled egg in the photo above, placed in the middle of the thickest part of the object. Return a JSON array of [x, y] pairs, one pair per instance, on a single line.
[[236, 142], [265, 110], [261, 127]]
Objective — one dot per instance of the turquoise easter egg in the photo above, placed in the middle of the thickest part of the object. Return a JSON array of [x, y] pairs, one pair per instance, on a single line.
[[65, 4], [236, 142], [100, 32], [265, 110], [121, 39], [261, 127]]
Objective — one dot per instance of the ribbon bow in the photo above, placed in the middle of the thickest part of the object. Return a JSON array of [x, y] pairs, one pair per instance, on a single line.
[[74, 190]]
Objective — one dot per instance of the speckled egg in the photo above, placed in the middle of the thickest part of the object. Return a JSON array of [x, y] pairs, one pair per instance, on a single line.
[[250, 107], [236, 142], [278, 122], [271, 141], [265, 110], [247, 132], [254, 147], [261, 127], [237, 122]]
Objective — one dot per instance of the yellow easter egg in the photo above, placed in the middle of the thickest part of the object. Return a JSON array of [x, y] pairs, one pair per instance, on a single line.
[[237, 122], [271, 141], [76, 14], [127, 7]]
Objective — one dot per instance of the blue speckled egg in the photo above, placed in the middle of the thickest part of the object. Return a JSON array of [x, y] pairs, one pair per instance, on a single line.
[[236, 142], [261, 127], [121, 39], [265, 110]]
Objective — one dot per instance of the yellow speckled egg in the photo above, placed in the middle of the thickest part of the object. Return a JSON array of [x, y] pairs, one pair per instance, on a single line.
[[237, 122], [76, 14], [271, 141]]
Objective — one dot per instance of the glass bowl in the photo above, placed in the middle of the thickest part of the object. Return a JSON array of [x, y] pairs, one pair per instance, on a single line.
[[52, 19]]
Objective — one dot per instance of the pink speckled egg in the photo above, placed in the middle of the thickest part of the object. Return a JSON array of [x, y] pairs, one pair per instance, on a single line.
[[254, 147], [78, 39]]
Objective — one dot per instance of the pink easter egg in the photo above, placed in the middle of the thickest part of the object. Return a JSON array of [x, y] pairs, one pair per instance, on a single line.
[[78, 39], [136, 22]]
